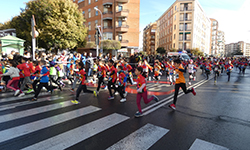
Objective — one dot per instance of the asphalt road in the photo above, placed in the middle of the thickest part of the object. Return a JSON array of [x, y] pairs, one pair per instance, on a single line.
[[217, 118]]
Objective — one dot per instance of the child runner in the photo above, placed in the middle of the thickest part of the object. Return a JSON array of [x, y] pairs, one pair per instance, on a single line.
[[180, 82], [101, 75], [190, 71], [82, 85], [216, 71], [121, 83], [142, 91], [112, 78], [229, 68]]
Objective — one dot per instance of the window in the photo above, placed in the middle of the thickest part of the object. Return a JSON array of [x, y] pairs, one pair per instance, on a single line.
[[171, 30], [89, 25], [96, 0], [89, 1], [120, 8], [83, 12], [89, 38], [108, 36], [79, 1], [96, 12], [96, 23], [120, 37], [174, 45], [174, 17], [174, 27], [175, 8], [89, 13], [174, 36], [119, 23]]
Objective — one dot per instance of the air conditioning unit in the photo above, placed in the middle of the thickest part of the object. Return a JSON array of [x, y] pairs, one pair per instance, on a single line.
[[124, 19]]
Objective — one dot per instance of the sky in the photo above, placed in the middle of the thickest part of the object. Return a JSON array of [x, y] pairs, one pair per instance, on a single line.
[[232, 15]]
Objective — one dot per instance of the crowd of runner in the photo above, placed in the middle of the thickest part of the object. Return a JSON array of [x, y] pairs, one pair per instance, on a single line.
[[23, 75]]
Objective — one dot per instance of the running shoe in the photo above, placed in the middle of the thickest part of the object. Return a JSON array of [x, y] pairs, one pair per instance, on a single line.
[[33, 99], [189, 83], [21, 95], [193, 91], [125, 94], [215, 82], [138, 114], [17, 92], [116, 93], [30, 91], [75, 102], [111, 97], [72, 90], [172, 106], [105, 88], [95, 94], [123, 100], [156, 98]]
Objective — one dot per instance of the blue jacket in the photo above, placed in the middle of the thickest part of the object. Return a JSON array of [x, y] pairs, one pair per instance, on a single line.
[[44, 79]]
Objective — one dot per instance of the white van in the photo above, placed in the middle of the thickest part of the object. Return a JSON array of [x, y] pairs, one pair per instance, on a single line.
[[183, 56]]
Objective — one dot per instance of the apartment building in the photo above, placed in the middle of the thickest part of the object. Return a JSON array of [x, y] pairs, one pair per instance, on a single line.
[[149, 33], [220, 43], [184, 26], [239, 46], [214, 33], [120, 20]]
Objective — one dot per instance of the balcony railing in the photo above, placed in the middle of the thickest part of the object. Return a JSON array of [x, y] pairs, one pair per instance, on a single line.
[[186, 19], [122, 28], [187, 39], [186, 9], [107, 12], [122, 1], [187, 29], [124, 42], [122, 13]]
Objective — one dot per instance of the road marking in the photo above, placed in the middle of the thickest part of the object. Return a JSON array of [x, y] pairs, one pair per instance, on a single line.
[[204, 145], [11, 106], [24, 97], [141, 139], [163, 100], [33, 111], [44, 123], [162, 104], [74, 136]]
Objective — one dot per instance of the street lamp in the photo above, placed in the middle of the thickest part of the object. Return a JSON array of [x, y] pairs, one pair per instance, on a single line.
[[101, 31]]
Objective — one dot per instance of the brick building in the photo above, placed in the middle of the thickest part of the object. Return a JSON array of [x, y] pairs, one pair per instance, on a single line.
[[149, 33], [120, 20]]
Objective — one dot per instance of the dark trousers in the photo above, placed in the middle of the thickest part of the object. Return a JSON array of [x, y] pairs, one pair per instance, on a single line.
[[100, 81], [216, 75], [121, 91], [52, 79], [34, 84], [40, 86], [111, 85], [80, 88], [228, 74], [183, 87]]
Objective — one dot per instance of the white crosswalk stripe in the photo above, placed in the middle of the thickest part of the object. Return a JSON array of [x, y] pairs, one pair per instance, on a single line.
[[204, 145]]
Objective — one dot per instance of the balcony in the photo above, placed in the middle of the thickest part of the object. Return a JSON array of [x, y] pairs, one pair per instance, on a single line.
[[107, 29], [108, 15], [122, 13], [186, 19], [124, 43], [187, 39], [186, 9], [121, 1], [107, 2], [122, 29], [187, 29]]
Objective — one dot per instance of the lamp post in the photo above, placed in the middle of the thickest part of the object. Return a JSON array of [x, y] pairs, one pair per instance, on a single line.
[[101, 31]]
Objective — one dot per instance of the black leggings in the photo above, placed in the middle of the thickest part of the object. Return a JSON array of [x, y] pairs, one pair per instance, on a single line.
[[100, 81], [216, 75], [52, 79], [111, 85], [40, 86], [229, 73], [80, 88], [183, 87], [121, 91]]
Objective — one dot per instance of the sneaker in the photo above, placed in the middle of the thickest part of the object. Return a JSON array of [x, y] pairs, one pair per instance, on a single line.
[[194, 78], [17, 92], [189, 83], [75, 102], [156, 98], [172, 106], [125, 94], [72, 90], [105, 88], [111, 97], [22, 94], [95, 94], [116, 93], [33, 99], [123, 100], [138, 114], [30, 91], [193, 91], [215, 82]]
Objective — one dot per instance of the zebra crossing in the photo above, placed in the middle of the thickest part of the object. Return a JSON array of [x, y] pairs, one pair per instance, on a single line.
[[51, 131]]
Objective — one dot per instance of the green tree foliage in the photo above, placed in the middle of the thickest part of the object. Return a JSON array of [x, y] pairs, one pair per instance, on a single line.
[[111, 44], [173, 50], [90, 45], [197, 52], [161, 50], [59, 22]]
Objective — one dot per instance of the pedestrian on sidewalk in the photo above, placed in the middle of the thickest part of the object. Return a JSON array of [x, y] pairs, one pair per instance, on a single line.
[[180, 82], [142, 91]]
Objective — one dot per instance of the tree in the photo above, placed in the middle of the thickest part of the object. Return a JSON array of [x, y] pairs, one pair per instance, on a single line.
[[173, 50], [59, 22], [161, 50], [111, 44], [90, 45]]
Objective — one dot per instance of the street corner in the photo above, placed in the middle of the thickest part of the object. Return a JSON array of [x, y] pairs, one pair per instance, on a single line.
[[154, 88]]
